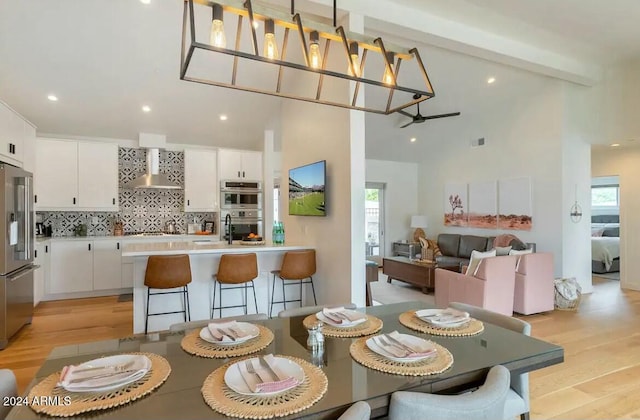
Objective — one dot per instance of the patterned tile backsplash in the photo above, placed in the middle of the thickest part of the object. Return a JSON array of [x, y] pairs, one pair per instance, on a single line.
[[141, 210]]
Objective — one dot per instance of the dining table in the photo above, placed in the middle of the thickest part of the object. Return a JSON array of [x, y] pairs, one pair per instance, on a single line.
[[180, 397]]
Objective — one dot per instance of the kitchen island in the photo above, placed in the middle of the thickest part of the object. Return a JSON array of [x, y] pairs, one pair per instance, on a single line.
[[205, 257]]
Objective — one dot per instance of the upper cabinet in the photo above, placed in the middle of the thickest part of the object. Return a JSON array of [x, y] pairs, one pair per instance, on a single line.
[[15, 134], [200, 180], [240, 165], [76, 175]]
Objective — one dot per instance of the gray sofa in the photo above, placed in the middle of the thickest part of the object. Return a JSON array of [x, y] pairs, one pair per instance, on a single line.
[[456, 249]]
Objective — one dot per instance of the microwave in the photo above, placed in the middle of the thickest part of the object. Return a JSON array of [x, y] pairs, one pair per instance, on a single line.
[[240, 195]]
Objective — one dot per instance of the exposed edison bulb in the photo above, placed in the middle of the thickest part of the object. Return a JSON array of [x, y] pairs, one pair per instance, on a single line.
[[315, 60], [270, 46], [387, 77], [355, 59], [217, 38]]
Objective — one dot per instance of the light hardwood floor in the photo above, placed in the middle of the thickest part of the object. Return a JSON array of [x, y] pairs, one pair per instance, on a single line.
[[600, 378]]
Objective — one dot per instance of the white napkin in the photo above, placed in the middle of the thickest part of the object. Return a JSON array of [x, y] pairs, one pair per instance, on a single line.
[[79, 377], [446, 316], [353, 317], [225, 328]]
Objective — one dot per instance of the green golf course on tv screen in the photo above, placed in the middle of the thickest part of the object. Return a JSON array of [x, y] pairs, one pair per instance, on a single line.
[[306, 190]]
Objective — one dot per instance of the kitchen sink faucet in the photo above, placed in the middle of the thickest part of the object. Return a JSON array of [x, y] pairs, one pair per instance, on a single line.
[[227, 225]]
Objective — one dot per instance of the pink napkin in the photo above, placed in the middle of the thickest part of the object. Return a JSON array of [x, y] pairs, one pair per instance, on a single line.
[[421, 350], [277, 386]]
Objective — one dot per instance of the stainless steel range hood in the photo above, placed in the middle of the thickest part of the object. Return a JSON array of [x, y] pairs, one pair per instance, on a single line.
[[153, 178]]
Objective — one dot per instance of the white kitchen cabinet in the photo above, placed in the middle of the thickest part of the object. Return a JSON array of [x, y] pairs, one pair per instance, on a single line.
[[12, 128], [29, 148], [240, 165], [71, 267], [73, 175], [56, 177], [98, 176], [41, 276], [200, 180], [107, 265]]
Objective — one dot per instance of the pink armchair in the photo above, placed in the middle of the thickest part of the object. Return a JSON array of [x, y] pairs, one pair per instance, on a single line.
[[492, 287], [534, 290]]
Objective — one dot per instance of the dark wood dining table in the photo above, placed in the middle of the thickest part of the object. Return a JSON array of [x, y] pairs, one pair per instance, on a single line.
[[180, 396]]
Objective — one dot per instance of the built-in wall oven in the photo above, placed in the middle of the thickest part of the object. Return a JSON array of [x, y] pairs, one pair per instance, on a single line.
[[243, 202], [240, 195]]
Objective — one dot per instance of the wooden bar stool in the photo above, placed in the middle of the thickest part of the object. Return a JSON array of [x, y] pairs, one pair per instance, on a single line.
[[296, 266], [237, 270], [168, 272]]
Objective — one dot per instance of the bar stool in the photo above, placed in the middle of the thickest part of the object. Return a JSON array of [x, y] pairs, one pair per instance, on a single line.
[[168, 272], [237, 270], [296, 266]]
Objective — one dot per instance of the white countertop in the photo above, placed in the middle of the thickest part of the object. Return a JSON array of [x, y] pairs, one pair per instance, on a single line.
[[129, 238], [190, 247]]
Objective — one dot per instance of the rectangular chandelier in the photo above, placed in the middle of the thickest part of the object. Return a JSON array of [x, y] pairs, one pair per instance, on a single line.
[[313, 72]]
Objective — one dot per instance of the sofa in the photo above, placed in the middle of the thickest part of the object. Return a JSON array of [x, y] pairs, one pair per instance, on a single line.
[[456, 249], [490, 287]]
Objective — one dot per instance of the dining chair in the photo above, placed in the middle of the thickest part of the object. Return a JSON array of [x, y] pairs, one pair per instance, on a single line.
[[308, 310], [517, 403], [168, 272], [183, 326], [358, 411], [485, 403], [297, 266], [8, 388]]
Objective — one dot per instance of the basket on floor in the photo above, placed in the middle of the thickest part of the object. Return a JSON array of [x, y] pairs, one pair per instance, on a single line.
[[568, 294]]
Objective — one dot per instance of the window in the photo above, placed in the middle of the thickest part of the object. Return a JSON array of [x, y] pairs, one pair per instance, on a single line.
[[605, 196]]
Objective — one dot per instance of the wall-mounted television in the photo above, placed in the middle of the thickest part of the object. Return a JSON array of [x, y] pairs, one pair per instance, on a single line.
[[307, 190]]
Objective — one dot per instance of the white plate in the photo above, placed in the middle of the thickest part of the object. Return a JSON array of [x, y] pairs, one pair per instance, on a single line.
[[433, 319], [405, 338], [251, 330], [141, 365], [344, 324], [284, 367]]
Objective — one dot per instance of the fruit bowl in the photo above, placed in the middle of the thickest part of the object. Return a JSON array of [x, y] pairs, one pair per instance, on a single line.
[[252, 238]]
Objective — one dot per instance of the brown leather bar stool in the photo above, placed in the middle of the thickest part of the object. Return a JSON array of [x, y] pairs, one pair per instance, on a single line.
[[296, 266], [235, 271], [168, 272]]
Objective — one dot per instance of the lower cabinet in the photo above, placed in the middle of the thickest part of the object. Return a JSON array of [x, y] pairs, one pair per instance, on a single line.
[[41, 276], [107, 262], [71, 267]]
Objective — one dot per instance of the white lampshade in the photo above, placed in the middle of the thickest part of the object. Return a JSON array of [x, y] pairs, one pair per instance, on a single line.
[[419, 221]]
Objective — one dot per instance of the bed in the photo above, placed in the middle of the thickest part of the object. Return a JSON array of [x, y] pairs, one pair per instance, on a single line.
[[605, 244]]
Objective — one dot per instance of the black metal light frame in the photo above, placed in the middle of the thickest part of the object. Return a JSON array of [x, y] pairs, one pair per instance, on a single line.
[[337, 34]]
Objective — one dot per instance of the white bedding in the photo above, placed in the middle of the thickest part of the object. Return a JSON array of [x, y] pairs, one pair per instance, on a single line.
[[605, 249]]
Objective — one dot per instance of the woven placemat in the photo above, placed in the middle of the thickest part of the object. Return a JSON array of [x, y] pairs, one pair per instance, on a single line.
[[430, 366], [371, 326], [228, 402], [410, 320], [193, 344], [74, 403]]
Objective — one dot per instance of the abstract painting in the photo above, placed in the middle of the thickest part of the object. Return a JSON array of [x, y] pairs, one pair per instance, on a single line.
[[483, 205], [514, 204], [455, 205]]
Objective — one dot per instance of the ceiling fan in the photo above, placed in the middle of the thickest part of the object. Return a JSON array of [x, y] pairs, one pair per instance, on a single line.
[[419, 118]]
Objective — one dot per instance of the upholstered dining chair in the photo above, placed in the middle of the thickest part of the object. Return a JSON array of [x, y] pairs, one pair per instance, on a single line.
[[308, 310], [358, 411], [8, 388], [517, 403], [183, 326], [485, 403]]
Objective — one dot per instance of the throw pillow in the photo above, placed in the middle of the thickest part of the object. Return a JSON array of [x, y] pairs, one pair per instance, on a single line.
[[597, 233], [521, 252], [502, 250], [476, 256]]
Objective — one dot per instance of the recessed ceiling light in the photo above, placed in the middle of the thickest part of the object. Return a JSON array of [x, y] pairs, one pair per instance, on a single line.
[[52, 98], [491, 80], [615, 144], [223, 117], [146, 108], [412, 139], [145, 1]]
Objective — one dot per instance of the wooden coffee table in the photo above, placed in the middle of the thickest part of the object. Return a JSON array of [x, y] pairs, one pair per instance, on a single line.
[[421, 274]]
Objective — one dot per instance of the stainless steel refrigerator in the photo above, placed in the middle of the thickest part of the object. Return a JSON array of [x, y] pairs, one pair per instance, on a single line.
[[16, 251]]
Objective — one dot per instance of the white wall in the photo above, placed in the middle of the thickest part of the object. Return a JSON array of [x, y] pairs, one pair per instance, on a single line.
[[624, 162], [523, 139], [400, 197]]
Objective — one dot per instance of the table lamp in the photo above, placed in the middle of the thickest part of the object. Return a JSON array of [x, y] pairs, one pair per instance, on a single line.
[[418, 222]]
